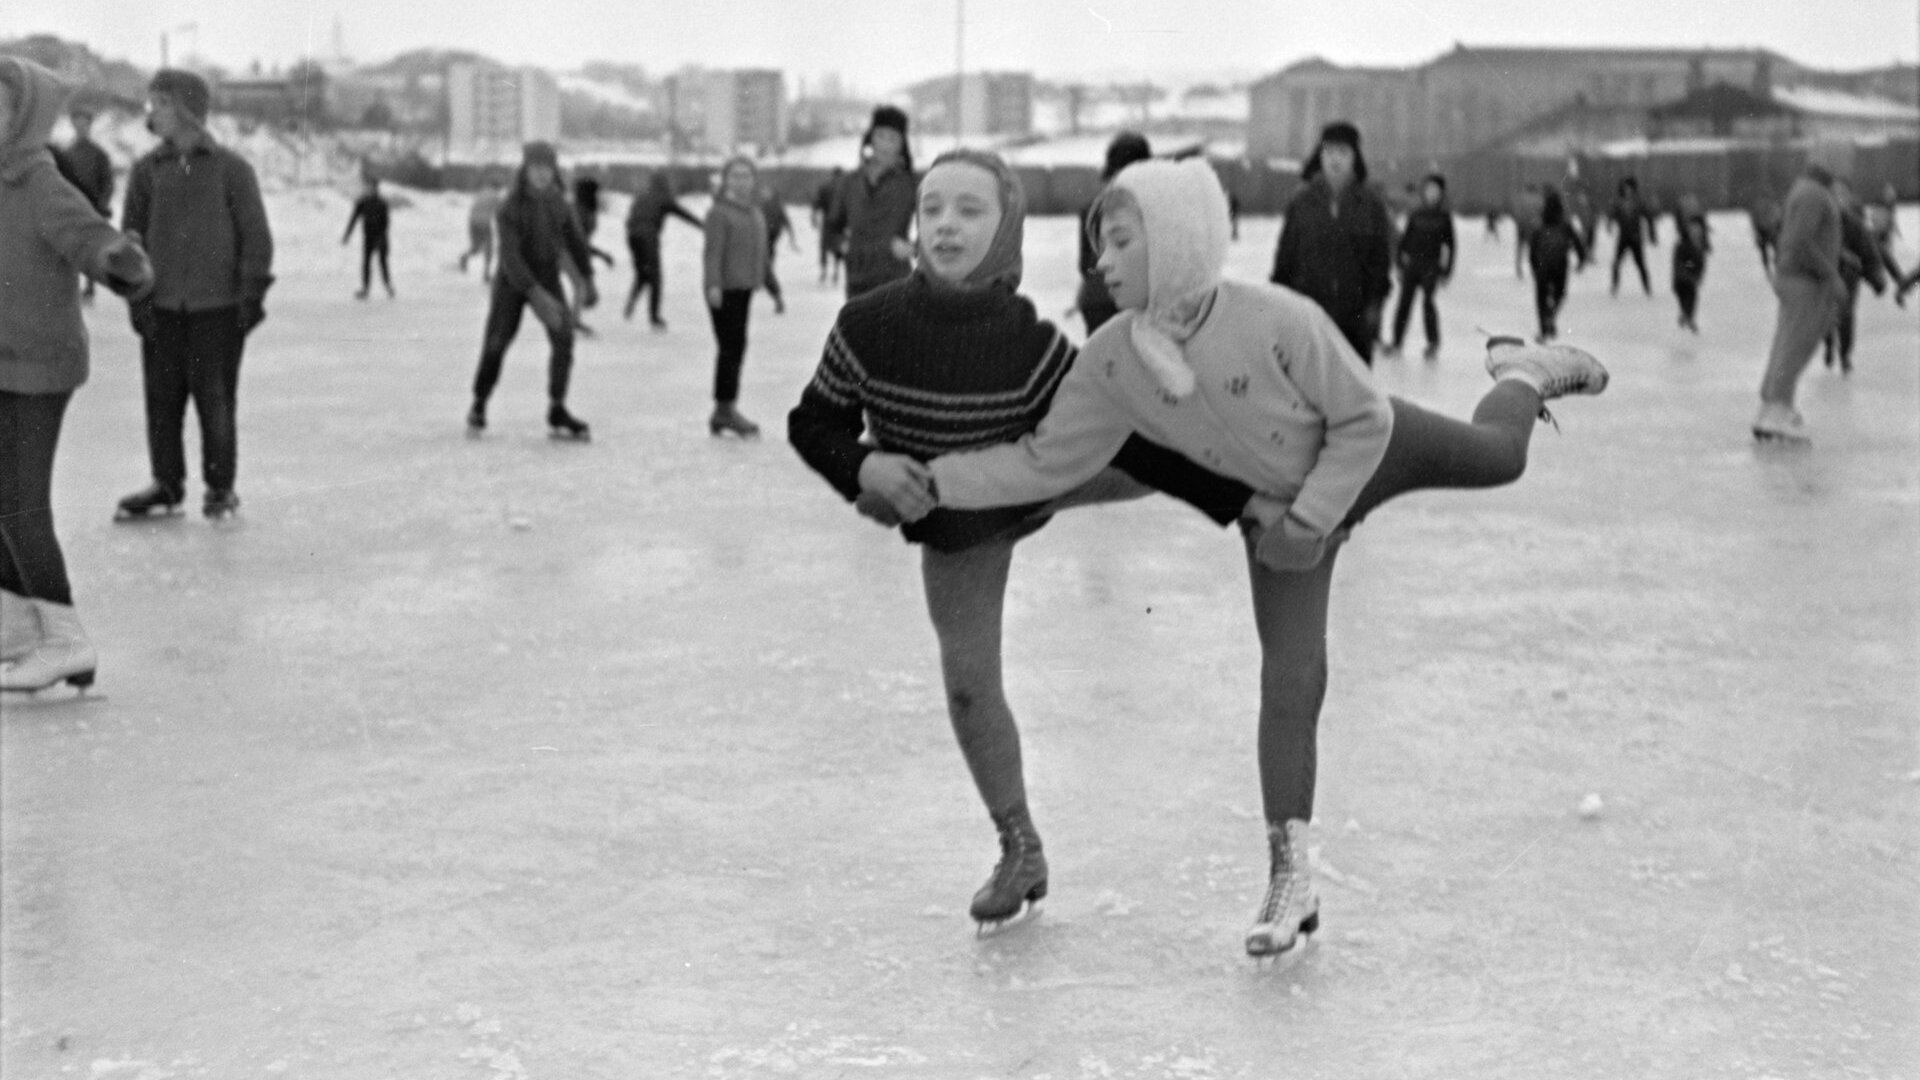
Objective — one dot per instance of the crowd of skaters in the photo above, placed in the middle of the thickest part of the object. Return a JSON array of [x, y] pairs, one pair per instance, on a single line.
[[942, 405]]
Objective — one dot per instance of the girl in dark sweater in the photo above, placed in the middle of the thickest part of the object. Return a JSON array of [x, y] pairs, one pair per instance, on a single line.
[[952, 358], [736, 264]]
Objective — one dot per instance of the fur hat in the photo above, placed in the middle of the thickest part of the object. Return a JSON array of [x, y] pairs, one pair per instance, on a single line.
[[189, 91], [539, 152], [1340, 133], [888, 116], [1183, 210]]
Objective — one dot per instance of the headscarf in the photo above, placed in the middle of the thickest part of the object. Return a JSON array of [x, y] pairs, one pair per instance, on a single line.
[[1183, 210], [1001, 265], [38, 95]]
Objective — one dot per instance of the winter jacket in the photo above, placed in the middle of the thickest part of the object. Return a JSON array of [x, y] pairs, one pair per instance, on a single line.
[[88, 168], [373, 214], [1549, 248], [197, 210], [1809, 242], [1336, 250], [736, 248], [1692, 243], [49, 233], [537, 229], [870, 215], [1426, 246], [649, 211], [1633, 221]]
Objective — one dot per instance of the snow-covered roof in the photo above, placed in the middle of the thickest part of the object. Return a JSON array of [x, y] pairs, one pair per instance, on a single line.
[[605, 93], [1817, 101]]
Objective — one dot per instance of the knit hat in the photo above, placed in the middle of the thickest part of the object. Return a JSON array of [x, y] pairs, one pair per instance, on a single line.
[[188, 91], [1125, 149], [1001, 264], [1183, 211], [539, 152], [1341, 133]]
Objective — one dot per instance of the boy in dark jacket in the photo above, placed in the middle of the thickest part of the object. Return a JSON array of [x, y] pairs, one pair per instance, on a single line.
[[1552, 244], [1633, 229], [538, 232], [1425, 259], [873, 210], [196, 207], [1336, 247], [645, 219], [372, 214]]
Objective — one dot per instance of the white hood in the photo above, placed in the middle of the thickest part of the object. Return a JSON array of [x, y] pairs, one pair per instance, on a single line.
[[1184, 212]]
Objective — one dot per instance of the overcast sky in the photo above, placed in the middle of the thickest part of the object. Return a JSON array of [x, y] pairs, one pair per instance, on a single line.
[[878, 45]]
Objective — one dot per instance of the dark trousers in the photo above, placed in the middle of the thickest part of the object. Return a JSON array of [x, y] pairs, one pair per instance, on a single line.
[[1631, 247], [1549, 292], [370, 250], [730, 335], [193, 354], [1686, 288], [645, 249], [1426, 450], [1359, 330], [30, 561], [772, 283], [503, 322], [1423, 282]]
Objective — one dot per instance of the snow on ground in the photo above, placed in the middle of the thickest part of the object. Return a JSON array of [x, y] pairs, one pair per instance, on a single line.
[[504, 758]]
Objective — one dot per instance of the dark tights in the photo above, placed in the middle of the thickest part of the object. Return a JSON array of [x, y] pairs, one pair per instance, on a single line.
[[31, 564]]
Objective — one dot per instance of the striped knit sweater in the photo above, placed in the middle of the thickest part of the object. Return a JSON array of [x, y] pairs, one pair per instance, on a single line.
[[929, 371]]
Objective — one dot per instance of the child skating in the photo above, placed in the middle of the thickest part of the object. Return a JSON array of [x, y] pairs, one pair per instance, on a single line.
[[372, 214], [1691, 246], [736, 265], [948, 358], [1549, 247], [1256, 383]]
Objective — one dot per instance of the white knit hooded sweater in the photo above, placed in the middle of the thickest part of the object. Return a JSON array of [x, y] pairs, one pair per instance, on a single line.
[[1184, 212]]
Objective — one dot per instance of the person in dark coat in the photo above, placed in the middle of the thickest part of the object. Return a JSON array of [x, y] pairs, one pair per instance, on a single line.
[[1860, 261], [774, 213], [1093, 302], [1548, 249], [1425, 259], [538, 234], [88, 168], [196, 207], [1633, 229], [832, 254], [645, 219], [1692, 244], [873, 210], [373, 215], [1336, 246]]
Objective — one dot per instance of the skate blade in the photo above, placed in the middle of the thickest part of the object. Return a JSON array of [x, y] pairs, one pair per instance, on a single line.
[[990, 928], [80, 681], [1775, 438], [1264, 950], [128, 516], [563, 435]]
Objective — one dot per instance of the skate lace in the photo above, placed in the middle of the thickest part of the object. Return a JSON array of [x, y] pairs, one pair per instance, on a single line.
[[1280, 888]]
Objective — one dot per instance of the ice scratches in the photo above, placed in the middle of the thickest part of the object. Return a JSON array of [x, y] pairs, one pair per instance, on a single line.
[[1773, 970], [496, 1053], [1172, 1064], [805, 1050]]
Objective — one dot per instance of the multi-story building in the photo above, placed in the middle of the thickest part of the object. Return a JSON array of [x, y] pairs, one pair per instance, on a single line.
[[1469, 97], [492, 111], [724, 111], [977, 103]]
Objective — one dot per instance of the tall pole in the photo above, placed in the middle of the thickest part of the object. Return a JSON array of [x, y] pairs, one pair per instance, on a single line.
[[959, 69]]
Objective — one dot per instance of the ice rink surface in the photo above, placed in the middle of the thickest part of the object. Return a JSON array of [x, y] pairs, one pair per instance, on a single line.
[[507, 758]]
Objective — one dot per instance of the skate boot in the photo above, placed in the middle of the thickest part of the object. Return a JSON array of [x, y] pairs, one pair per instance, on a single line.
[[562, 424], [1019, 880], [220, 504], [477, 418], [1291, 910], [62, 654], [726, 418], [1780, 423], [19, 627], [1551, 370], [154, 497]]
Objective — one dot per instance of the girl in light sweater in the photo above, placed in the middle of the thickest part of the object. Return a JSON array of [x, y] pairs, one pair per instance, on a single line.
[[1255, 382], [736, 264]]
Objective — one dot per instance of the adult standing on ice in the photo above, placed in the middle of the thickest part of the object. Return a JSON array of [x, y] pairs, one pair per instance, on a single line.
[[196, 207], [873, 211], [538, 230], [735, 265], [1336, 245], [87, 167], [48, 232], [1806, 279], [1258, 385]]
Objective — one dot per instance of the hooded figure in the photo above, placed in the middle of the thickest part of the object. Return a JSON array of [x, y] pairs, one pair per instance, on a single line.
[[1336, 246], [1184, 211]]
